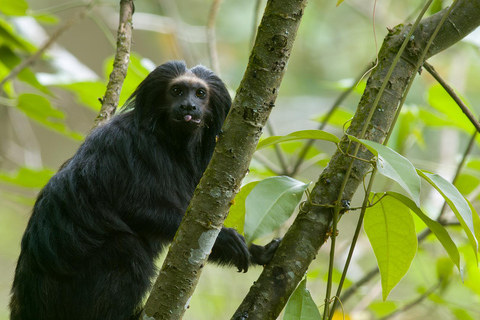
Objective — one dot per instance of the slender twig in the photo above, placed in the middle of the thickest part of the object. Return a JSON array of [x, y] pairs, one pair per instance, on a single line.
[[103, 27], [181, 36], [452, 94], [120, 64], [211, 37], [267, 163], [58, 8], [77, 17], [354, 241], [302, 154], [256, 15], [278, 150], [357, 285]]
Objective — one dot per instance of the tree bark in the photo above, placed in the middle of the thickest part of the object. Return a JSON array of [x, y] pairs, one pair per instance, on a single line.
[[120, 64], [270, 293], [208, 209]]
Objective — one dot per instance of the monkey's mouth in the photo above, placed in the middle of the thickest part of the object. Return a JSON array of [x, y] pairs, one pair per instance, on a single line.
[[189, 118]]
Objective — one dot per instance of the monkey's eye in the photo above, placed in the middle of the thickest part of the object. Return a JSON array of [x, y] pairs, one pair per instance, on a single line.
[[201, 93], [176, 91]]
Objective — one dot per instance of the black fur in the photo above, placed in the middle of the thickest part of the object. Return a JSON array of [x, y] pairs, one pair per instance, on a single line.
[[89, 248]]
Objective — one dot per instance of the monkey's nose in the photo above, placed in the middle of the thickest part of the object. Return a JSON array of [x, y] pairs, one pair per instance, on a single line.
[[188, 107]]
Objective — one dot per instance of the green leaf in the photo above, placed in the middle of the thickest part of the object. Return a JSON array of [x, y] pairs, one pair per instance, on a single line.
[[395, 166], [444, 269], [461, 313], [383, 308], [437, 229], [472, 272], [301, 306], [408, 129], [87, 93], [297, 135], [434, 119], [443, 102], [476, 221], [28, 178], [466, 183], [10, 60], [236, 216], [13, 7], [391, 232], [270, 203], [39, 109], [457, 203], [9, 37], [46, 18]]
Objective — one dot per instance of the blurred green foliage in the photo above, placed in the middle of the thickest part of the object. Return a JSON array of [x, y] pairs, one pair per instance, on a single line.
[[334, 47]]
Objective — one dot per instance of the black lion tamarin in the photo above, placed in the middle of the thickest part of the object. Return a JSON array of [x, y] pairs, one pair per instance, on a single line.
[[97, 226]]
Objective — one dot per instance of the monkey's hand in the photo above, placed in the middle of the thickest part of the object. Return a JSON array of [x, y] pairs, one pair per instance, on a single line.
[[263, 254], [231, 249]]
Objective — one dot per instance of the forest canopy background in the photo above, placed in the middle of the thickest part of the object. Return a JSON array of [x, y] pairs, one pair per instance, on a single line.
[[333, 47]]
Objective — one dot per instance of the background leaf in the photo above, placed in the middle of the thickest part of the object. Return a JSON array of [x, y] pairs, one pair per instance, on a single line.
[[236, 215], [270, 203], [301, 306], [437, 229], [87, 93], [14, 7], [456, 202], [297, 135], [28, 178], [440, 100], [391, 231], [136, 73], [395, 166], [39, 109]]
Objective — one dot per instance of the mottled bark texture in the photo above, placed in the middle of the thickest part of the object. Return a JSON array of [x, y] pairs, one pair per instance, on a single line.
[[254, 100], [120, 64], [269, 294]]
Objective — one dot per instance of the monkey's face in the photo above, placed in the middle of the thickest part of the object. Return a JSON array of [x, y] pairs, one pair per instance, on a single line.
[[187, 97]]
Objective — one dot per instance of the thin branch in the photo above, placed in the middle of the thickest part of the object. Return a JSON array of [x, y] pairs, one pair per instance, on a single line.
[[280, 155], [256, 15], [353, 244], [414, 302], [357, 285], [211, 37], [77, 17], [104, 28], [453, 94], [120, 64], [336, 104], [182, 34], [267, 163]]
